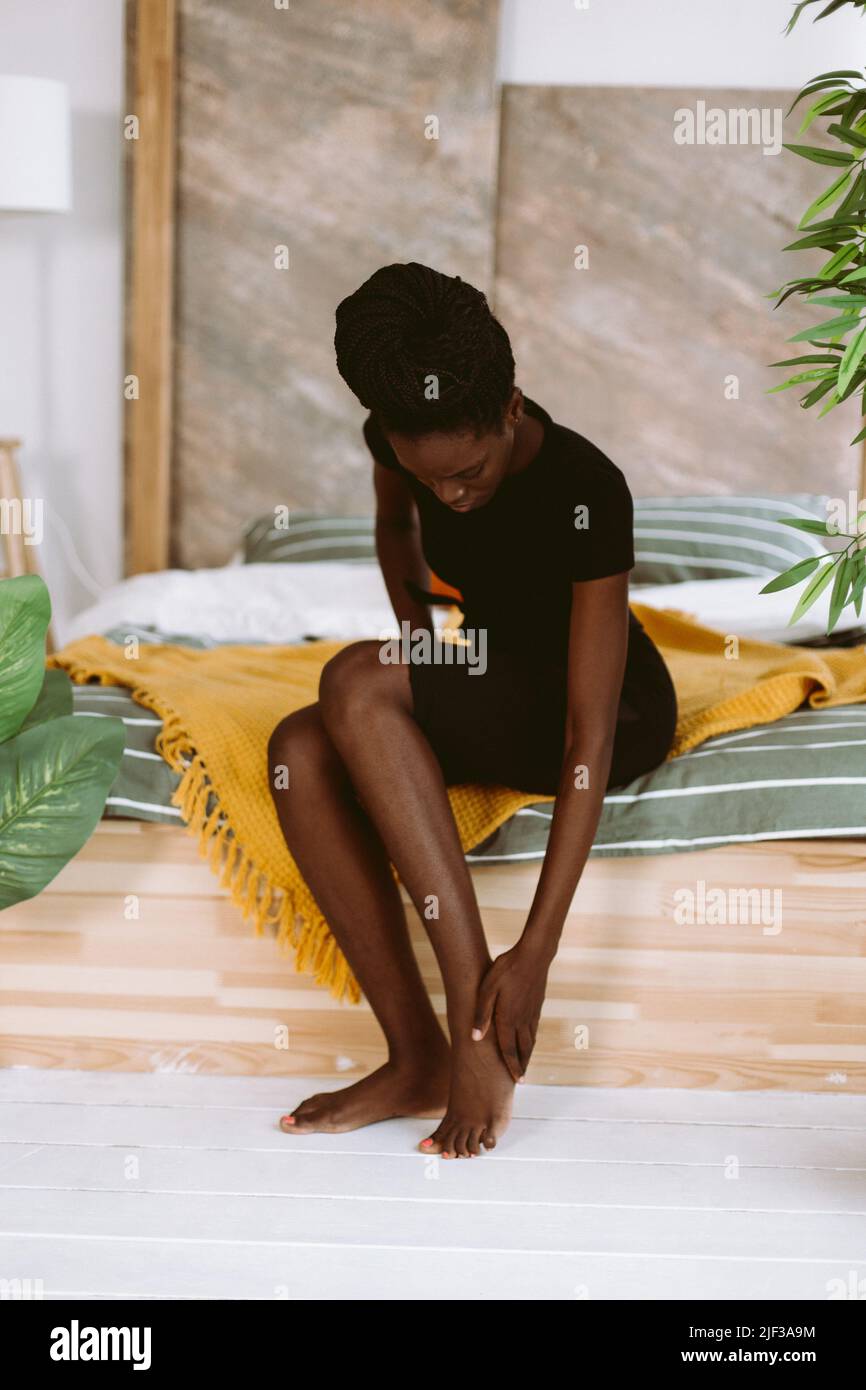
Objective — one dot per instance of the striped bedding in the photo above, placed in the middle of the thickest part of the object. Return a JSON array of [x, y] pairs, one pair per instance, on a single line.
[[802, 777], [676, 538]]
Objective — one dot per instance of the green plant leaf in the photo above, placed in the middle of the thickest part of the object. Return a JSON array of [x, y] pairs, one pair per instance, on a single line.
[[853, 106], [838, 301], [824, 357], [833, 6], [859, 274], [826, 240], [853, 198], [816, 585], [828, 99], [798, 523], [824, 79], [791, 576], [54, 779], [843, 324], [825, 199], [858, 587], [821, 156], [797, 287], [858, 438], [25, 612], [798, 10], [817, 375], [839, 596], [852, 359], [851, 137], [54, 700], [836, 261], [815, 395]]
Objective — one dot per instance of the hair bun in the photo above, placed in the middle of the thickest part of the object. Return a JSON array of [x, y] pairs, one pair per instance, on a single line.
[[423, 351]]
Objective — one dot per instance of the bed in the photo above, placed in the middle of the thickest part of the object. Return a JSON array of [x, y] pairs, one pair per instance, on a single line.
[[716, 940]]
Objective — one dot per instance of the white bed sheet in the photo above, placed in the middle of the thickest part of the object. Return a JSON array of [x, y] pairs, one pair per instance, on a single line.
[[334, 599]]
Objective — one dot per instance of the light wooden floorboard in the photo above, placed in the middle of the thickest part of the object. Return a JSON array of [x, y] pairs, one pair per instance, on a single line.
[[150, 1186], [634, 998]]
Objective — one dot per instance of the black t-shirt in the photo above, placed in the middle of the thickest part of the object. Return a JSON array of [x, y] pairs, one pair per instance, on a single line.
[[566, 517]]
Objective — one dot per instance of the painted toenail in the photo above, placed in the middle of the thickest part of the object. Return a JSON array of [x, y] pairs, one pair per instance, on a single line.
[[476, 1034], [425, 1143], [287, 1120]]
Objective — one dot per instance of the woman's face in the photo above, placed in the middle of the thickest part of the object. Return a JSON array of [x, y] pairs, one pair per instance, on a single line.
[[463, 470]]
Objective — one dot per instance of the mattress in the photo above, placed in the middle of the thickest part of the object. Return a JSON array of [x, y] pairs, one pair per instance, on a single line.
[[801, 777]]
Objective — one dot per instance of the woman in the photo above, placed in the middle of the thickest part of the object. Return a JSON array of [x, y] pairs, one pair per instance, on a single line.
[[533, 526]]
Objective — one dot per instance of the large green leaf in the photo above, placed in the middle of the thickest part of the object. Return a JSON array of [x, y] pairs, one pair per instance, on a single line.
[[55, 699], [54, 779], [25, 612]]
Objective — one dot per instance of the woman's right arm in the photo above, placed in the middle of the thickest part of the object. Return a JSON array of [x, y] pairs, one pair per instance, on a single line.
[[398, 546]]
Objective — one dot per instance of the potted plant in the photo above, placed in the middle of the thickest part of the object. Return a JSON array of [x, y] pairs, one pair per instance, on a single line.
[[831, 362], [56, 768]]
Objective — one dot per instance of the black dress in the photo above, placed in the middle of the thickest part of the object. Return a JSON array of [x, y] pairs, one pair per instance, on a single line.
[[566, 517]]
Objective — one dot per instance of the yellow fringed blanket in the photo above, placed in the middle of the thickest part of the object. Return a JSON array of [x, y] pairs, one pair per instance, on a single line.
[[219, 706]]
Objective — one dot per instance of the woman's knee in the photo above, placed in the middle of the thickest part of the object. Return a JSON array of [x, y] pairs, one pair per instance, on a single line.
[[355, 682], [299, 746]]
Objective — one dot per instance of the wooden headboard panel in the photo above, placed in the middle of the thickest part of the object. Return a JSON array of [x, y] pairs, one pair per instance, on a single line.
[[339, 137]]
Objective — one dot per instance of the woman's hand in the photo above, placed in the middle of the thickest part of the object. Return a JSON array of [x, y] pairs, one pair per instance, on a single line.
[[510, 997]]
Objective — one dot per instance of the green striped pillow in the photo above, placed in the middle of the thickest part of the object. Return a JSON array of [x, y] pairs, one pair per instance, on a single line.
[[309, 536], [678, 538]]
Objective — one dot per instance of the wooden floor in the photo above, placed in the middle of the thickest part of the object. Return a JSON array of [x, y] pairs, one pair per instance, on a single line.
[[183, 1187], [135, 960]]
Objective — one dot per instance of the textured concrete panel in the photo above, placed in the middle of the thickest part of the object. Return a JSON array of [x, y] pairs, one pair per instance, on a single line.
[[684, 241], [305, 128]]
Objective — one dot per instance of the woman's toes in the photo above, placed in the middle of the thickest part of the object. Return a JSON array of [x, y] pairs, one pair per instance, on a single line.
[[432, 1144], [488, 1139], [449, 1144], [462, 1143], [473, 1142]]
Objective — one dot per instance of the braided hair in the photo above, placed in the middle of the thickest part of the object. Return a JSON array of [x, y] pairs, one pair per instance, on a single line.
[[423, 352]]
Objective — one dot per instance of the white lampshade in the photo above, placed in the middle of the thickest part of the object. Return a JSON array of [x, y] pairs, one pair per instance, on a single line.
[[35, 162]]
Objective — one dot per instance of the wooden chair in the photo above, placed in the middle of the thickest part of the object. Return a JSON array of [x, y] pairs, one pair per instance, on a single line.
[[16, 558]]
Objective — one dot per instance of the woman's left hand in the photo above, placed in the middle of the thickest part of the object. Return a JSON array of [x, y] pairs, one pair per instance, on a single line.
[[510, 997]]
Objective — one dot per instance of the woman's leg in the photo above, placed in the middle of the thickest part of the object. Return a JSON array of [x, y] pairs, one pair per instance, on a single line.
[[343, 862], [367, 710]]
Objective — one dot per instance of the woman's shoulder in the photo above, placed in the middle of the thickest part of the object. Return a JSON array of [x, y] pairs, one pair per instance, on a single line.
[[583, 466]]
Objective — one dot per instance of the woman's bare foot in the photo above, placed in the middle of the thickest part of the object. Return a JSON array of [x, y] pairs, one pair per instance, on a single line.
[[417, 1088], [479, 1101]]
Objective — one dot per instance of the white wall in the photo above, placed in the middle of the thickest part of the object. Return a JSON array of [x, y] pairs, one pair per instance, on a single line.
[[671, 43], [61, 345], [61, 366]]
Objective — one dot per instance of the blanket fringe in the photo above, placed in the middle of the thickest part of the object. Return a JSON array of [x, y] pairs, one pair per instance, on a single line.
[[292, 917]]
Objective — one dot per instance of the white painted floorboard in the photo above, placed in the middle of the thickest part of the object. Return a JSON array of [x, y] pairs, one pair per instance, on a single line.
[[182, 1186]]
